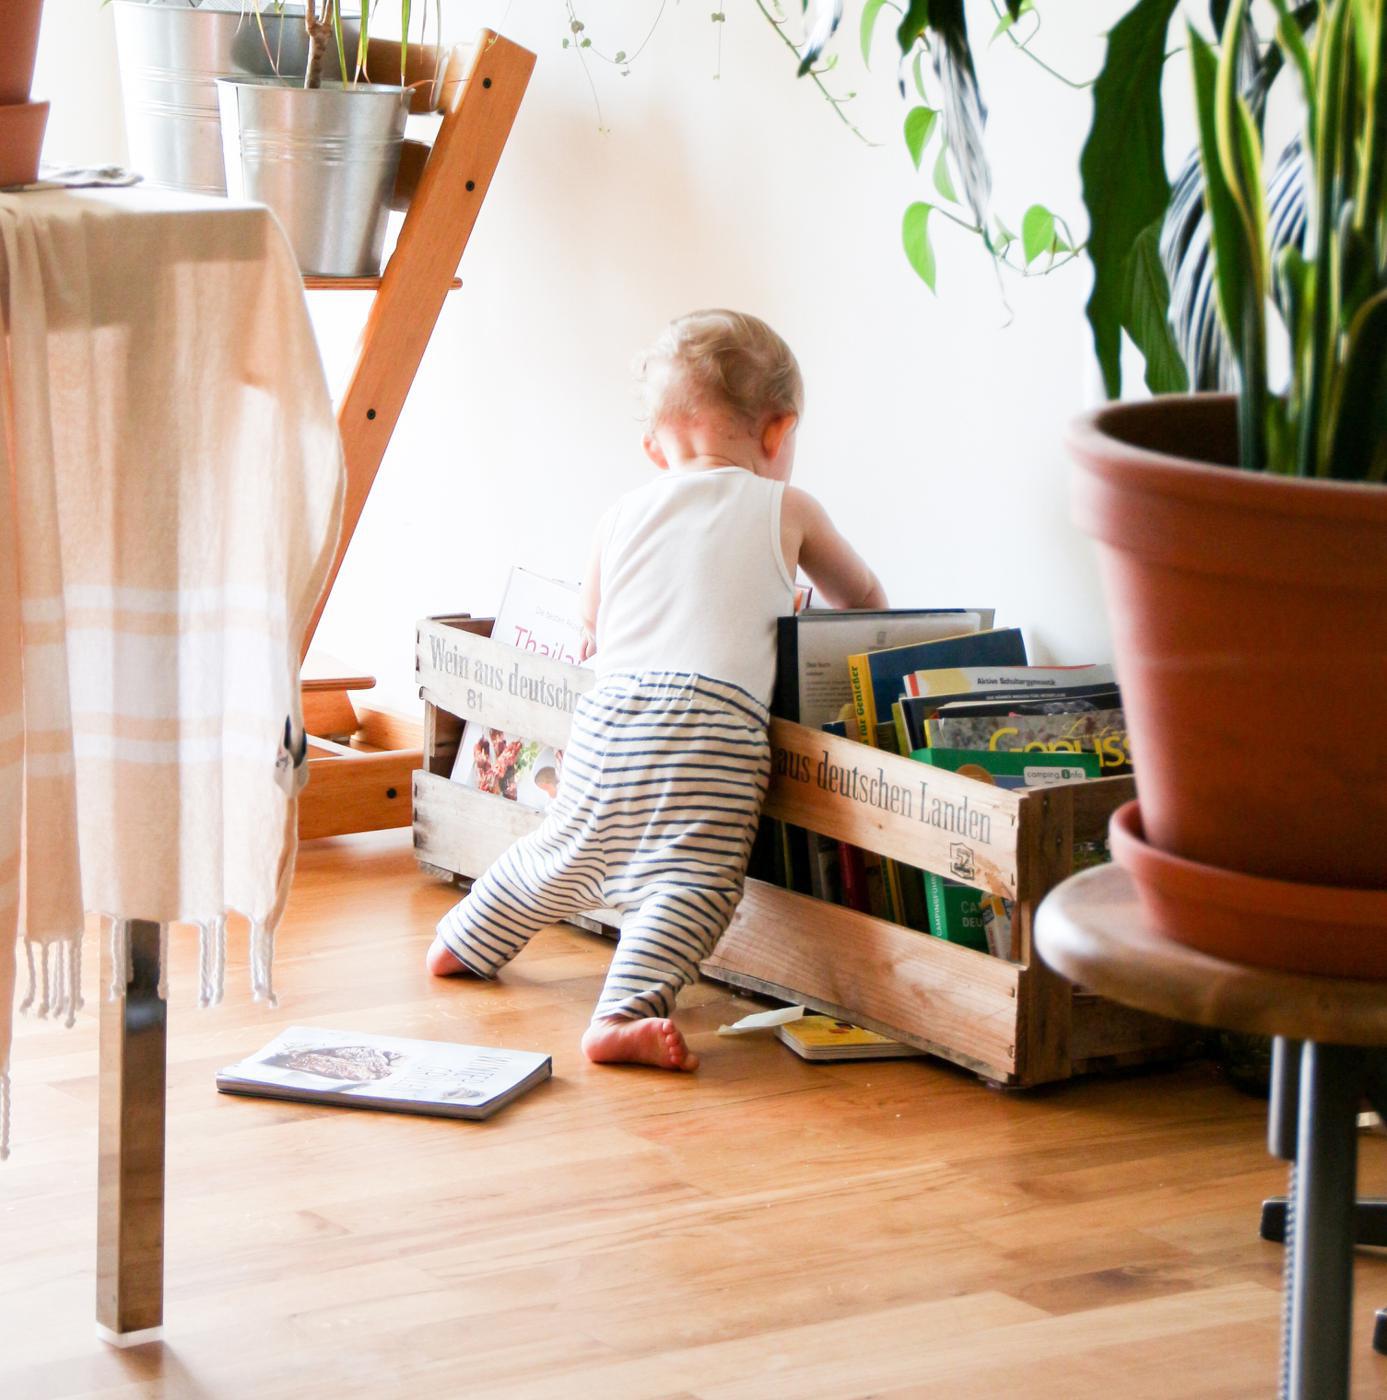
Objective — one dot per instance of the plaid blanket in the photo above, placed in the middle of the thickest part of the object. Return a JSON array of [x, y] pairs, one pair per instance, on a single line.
[[170, 495]]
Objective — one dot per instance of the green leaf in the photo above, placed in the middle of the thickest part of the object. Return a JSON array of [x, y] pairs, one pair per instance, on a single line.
[[1037, 232], [1229, 272], [1015, 9], [919, 123], [943, 181], [917, 72], [1123, 167], [867, 27], [1146, 315], [915, 237], [1358, 450], [1005, 237]]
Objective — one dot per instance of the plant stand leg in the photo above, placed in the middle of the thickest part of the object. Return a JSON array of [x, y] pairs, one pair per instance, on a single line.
[[130, 1173], [1322, 1224]]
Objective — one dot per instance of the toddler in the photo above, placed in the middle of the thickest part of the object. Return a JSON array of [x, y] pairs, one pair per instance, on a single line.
[[667, 767]]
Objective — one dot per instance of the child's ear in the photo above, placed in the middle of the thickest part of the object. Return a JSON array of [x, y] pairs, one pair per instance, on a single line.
[[654, 451], [776, 433]]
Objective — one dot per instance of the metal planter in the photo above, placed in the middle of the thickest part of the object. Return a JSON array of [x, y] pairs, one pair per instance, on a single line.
[[324, 159], [171, 55]]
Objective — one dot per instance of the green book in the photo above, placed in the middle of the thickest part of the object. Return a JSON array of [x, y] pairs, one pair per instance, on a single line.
[[971, 917]]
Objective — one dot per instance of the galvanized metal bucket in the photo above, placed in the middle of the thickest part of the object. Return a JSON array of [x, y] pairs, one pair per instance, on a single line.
[[324, 159], [171, 55]]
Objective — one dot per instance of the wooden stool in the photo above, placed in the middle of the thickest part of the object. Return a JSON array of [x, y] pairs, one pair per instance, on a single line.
[[1328, 1055]]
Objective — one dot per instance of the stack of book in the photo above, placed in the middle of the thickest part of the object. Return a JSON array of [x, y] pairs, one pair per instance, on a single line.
[[945, 687]]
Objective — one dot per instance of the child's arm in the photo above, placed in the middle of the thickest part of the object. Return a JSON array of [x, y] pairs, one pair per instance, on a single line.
[[590, 595], [839, 573]]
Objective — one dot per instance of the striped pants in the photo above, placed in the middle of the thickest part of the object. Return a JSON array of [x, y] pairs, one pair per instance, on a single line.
[[662, 784]]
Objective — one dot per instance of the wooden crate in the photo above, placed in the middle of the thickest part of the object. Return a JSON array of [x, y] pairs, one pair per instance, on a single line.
[[1014, 1022]]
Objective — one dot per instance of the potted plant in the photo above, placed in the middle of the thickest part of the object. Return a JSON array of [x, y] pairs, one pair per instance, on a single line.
[[21, 121], [171, 53], [322, 150], [1243, 539]]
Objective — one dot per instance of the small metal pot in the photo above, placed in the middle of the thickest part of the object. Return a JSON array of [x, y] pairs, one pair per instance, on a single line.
[[324, 159], [171, 55]]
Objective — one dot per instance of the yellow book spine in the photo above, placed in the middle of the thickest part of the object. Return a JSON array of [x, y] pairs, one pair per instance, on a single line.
[[864, 702]]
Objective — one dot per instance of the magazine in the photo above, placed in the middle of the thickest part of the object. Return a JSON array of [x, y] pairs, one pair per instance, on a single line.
[[312, 1065], [540, 615]]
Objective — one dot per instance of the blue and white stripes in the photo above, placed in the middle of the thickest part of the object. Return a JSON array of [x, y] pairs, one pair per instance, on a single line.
[[662, 786]]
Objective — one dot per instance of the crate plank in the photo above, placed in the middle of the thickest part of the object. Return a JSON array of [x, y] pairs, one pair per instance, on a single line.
[[909, 811], [946, 999], [475, 678], [464, 830]]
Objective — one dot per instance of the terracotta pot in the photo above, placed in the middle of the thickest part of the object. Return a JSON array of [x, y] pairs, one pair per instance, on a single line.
[[19, 41], [1314, 929], [1249, 617], [21, 139]]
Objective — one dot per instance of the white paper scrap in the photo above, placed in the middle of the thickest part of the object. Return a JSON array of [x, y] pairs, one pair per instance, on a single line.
[[763, 1021]]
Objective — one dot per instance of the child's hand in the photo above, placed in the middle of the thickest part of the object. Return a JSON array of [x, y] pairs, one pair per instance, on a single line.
[[588, 648]]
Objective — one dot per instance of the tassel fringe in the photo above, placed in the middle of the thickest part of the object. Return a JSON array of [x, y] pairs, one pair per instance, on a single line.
[[4, 1114], [262, 953]]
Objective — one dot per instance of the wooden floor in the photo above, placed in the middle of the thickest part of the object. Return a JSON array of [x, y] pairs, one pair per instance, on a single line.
[[763, 1228]]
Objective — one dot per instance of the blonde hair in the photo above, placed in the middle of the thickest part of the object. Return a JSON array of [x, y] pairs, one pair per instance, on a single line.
[[719, 359]]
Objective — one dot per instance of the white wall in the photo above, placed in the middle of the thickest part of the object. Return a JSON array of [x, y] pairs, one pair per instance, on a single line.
[[935, 425]]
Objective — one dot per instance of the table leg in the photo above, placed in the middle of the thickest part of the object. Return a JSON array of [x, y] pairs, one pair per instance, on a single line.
[[1331, 1084], [130, 1174]]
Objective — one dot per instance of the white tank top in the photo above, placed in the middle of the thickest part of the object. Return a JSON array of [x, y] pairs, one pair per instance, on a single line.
[[693, 578]]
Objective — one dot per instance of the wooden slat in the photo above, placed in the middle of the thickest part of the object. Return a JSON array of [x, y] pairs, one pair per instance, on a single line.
[[1044, 999], [442, 736], [949, 1000], [475, 678], [344, 795], [432, 72], [466, 152], [1104, 1033], [461, 830], [384, 729], [329, 714], [909, 811], [313, 283], [323, 672], [1094, 804]]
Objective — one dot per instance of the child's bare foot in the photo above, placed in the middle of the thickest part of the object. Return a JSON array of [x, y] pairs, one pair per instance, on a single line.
[[651, 1040], [442, 963]]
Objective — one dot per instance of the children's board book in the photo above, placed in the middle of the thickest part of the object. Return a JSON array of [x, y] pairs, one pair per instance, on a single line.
[[540, 615], [436, 1077], [812, 683], [878, 677], [823, 1038]]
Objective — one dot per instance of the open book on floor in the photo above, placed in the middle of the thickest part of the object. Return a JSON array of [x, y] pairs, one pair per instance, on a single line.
[[312, 1065]]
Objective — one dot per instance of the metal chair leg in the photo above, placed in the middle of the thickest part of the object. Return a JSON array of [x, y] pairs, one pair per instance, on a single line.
[[1319, 1315]]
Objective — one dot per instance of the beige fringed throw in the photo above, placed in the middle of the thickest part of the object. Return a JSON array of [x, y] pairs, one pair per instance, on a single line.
[[170, 494]]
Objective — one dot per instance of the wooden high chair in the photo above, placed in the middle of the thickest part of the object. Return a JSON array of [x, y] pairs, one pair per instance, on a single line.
[[360, 760]]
